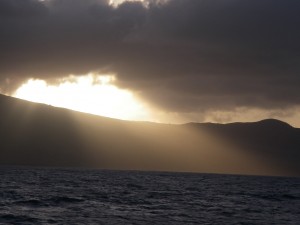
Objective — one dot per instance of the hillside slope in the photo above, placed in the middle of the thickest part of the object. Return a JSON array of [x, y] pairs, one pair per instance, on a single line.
[[41, 135]]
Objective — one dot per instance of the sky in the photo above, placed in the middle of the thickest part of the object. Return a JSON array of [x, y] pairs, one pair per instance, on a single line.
[[185, 60]]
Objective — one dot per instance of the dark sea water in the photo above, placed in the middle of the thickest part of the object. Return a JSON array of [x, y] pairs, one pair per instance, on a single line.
[[69, 196]]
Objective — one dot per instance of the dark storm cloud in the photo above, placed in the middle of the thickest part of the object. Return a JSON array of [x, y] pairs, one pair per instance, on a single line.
[[183, 55]]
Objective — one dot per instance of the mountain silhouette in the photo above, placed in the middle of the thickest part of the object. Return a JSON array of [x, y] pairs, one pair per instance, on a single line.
[[40, 135]]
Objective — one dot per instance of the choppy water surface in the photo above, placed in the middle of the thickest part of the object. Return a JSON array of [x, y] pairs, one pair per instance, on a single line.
[[61, 196]]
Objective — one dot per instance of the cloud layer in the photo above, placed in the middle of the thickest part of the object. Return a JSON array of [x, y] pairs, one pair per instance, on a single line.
[[183, 56]]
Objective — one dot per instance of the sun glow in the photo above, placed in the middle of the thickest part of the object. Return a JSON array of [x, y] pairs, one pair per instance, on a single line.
[[95, 94], [118, 2]]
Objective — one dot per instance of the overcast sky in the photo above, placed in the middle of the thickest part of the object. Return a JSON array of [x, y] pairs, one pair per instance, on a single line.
[[200, 60]]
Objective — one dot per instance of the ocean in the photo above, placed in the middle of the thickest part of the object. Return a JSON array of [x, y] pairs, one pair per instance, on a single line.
[[82, 196]]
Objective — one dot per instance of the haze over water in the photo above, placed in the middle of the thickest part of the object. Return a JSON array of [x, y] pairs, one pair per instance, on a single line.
[[219, 78]]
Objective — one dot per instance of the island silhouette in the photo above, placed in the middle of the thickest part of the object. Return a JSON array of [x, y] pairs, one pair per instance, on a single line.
[[35, 134]]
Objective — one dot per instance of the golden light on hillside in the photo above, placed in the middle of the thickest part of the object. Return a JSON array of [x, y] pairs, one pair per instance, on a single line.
[[95, 94]]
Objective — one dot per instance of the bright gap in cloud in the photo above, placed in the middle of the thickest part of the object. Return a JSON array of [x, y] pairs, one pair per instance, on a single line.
[[118, 2], [95, 94]]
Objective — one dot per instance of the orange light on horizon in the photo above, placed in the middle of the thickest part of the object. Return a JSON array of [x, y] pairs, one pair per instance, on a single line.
[[92, 93]]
